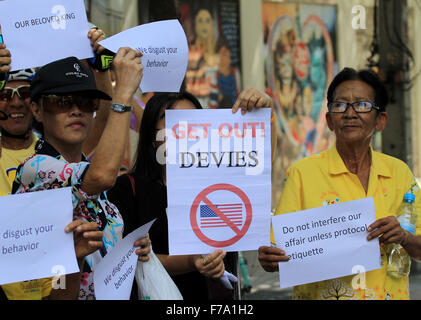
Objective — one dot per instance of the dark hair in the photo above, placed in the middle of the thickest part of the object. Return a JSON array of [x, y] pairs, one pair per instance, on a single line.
[[146, 166], [381, 98], [222, 42]]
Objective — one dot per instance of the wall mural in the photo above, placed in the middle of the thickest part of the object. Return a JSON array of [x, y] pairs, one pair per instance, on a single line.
[[300, 62], [212, 29]]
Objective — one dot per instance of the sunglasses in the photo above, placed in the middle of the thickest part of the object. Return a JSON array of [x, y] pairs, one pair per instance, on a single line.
[[7, 93], [66, 102]]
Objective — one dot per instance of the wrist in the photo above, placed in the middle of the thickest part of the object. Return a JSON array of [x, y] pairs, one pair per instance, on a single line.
[[125, 99], [405, 239], [193, 259]]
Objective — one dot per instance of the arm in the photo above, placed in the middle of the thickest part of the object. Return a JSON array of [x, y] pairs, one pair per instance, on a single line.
[[211, 266], [101, 174], [251, 99], [103, 82]]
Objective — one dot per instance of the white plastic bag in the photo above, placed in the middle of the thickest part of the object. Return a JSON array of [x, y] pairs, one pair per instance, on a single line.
[[154, 282]]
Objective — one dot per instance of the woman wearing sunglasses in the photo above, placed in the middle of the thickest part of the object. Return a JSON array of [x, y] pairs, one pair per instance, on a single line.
[[352, 170], [64, 97]]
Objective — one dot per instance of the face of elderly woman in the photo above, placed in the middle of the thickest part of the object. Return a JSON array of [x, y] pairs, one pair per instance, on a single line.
[[350, 126]]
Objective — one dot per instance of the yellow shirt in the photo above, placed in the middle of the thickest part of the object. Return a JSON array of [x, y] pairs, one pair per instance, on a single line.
[[323, 179], [9, 161]]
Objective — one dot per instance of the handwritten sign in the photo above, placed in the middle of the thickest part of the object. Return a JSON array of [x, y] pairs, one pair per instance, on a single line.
[[33, 242], [218, 178], [43, 31], [326, 242]]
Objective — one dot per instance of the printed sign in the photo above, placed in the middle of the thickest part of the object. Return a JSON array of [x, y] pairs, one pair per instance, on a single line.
[[218, 178]]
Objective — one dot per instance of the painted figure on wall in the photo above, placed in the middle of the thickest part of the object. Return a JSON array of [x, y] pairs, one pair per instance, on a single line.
[[299, 63], [213, 68]]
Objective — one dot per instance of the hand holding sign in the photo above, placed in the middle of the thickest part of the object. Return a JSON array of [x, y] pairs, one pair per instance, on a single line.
[[86, 236], [251, 99], [211, 265], [269, 258]]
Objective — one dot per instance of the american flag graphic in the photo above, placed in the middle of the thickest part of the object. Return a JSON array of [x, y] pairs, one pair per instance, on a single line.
[[210, 219]]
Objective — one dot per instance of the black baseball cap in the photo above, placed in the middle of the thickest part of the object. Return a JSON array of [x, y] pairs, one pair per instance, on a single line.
[[63, 76]]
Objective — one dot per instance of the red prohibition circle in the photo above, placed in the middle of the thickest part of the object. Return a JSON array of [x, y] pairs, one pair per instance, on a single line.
[[202, 196]]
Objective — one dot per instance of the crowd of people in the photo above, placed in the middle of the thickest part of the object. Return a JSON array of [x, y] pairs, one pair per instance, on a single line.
[[55, 114]]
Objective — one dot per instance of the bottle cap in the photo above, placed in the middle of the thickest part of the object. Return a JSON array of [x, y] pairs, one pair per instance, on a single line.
[[409, 197]]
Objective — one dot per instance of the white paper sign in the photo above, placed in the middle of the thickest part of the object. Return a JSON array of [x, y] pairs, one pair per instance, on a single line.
[[326, 242], [113, 276], [165, 53], [43, 31], [33, 241], [218, 168]]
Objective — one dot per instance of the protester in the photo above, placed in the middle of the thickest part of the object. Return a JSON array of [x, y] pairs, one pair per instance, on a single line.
[[141, 196], [352, 170], [18, 143], [64, 97]]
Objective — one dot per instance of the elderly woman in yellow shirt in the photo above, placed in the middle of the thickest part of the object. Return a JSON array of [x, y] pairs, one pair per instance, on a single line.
[[352, 170]]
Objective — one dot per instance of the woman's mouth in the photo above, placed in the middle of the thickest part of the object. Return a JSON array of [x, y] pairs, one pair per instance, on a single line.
[[76, 125]]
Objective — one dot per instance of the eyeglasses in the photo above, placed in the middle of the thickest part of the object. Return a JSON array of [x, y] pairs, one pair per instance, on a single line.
[[359, 107], [65, 103], [7, 93]]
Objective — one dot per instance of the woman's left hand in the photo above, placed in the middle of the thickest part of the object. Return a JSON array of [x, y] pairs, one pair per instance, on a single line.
[[145, 248], [212, 265], [389, 230], [251, 99], [86, 236], [95, 36]]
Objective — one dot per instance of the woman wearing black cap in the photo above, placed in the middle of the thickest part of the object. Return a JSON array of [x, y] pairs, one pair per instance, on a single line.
[[64, 97]]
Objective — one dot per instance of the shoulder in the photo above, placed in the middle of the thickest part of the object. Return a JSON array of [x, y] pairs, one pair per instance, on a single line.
[[396, 166], [389, 160]]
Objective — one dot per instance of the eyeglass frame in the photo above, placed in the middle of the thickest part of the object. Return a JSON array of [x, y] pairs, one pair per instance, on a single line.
[[348, 104], [15, 90]]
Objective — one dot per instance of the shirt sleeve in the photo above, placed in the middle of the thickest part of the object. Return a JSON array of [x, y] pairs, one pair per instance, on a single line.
[[44, 172]]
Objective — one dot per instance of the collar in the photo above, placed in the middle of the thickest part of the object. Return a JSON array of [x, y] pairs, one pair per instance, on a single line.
[[43, 147], [337, 165]]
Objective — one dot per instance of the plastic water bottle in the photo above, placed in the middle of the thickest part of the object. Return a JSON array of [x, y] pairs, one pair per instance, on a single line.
[[399, 262]]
